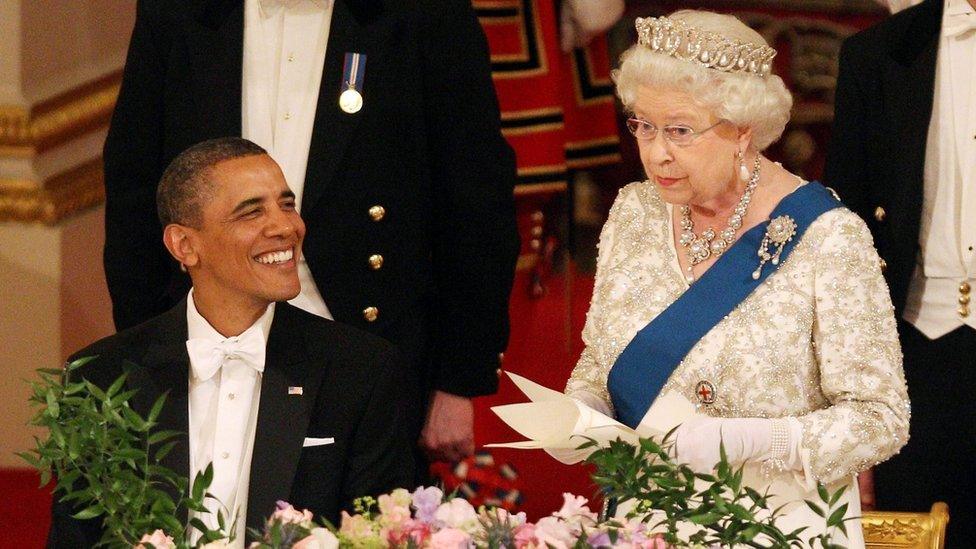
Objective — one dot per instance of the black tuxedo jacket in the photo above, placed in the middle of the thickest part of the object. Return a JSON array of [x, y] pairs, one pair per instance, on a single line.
[[426, 147], [876, 157], [352, 392]]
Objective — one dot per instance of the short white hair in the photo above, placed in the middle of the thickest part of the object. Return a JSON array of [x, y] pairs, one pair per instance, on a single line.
[[747, 100]]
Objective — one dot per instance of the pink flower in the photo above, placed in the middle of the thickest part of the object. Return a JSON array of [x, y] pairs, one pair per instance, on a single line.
[[450, 538], [158, 539], [286, 514], [321, 538], [524, 535], [655, 542], [412, 530]]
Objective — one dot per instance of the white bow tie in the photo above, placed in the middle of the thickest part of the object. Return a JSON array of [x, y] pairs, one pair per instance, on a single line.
[[959, 25], [208, 356]]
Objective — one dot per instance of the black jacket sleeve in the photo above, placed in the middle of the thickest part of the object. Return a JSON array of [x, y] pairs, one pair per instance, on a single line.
[[847, 169], [473, 171], [139, 272]]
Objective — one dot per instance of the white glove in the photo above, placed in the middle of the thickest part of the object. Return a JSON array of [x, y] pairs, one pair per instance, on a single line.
[[746, 440]]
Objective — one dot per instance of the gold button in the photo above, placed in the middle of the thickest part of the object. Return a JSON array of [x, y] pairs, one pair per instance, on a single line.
[[377, 213], [370, 313], [963, 311], [291, 57], [964, 288], [883, 264], [964, 299], [879, 213], [375, 261], [287, 116]]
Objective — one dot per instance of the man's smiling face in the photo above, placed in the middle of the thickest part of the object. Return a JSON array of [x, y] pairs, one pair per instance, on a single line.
[[250, 236]]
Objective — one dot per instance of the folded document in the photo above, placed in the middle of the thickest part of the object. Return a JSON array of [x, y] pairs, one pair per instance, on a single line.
[[559, 424]]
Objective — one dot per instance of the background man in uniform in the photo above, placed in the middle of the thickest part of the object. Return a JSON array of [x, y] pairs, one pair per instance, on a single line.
[[903, 156]]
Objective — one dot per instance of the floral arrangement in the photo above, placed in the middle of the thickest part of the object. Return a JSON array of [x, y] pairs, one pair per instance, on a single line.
[[106, 459]]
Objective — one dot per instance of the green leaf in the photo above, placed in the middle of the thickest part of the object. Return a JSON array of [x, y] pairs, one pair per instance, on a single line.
[[822, 492], [157, 407], [53, 409], [837, 517], [814, 507], [836, 495], [90, 512]]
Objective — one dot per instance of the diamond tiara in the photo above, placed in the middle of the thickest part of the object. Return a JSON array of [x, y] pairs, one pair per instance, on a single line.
[[707, 49]]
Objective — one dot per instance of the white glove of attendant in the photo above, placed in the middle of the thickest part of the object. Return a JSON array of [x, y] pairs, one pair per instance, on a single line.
[[746, 439]]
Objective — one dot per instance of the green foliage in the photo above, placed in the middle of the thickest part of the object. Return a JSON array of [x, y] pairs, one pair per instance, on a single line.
[[106, 458], [727, 513]]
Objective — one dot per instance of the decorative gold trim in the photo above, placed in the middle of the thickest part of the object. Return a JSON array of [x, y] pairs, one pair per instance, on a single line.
[[593, 161], [27, 132], [540, 188], [61, 196]]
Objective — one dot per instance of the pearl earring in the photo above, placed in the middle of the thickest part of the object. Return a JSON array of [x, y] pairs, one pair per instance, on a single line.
[[743, 170]]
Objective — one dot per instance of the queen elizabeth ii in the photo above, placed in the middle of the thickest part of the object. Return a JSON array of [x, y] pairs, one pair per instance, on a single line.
[[730, 281]]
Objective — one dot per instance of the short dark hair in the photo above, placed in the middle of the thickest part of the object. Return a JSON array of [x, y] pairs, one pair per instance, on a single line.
[[185, 184]]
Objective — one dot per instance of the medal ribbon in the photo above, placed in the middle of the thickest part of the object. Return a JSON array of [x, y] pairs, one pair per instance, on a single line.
[[353, 71], [650, 358]]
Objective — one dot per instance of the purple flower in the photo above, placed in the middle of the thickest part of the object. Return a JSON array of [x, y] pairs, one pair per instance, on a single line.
[[599, 539], [426, 501]]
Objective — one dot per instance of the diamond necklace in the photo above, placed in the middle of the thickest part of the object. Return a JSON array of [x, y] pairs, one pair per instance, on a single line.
[[699, 248]]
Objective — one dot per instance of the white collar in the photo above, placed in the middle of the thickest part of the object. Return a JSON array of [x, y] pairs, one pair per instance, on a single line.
[[198, 327]]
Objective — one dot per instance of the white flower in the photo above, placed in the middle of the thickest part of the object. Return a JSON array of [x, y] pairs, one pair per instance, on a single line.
[[575, 510], [321, 538], [459, 514], [555, 533]]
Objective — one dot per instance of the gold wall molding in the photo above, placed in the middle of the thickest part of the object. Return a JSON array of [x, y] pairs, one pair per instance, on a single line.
[[29, 131], [61, 196]]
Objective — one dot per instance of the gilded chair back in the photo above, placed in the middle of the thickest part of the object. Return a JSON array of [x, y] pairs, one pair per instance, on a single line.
[[897, 530]]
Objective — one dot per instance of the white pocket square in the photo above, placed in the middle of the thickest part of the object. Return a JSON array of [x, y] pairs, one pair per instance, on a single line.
[[309, 442]]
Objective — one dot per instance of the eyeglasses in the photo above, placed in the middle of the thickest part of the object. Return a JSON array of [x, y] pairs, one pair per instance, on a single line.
[[679, 135]]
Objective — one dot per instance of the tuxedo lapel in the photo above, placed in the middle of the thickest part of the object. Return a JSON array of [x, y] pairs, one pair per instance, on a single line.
[[216, 51], [333, 127], [283, 417], [909, 91], [165, 370]]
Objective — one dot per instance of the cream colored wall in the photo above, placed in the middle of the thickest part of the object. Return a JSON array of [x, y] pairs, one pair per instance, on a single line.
[[68, 43], [52, 288], [10, 88]]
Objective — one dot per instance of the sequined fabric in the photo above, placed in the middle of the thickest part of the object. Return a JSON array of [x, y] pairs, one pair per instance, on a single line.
[[816, 341]]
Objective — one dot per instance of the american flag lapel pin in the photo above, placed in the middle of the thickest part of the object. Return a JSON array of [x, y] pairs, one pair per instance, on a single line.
[[295, 391]]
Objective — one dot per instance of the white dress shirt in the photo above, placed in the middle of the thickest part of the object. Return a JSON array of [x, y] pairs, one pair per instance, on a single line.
[[948, 226], [223, 411], [284, 52]]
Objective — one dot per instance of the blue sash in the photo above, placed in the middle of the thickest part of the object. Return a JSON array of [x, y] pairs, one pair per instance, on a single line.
[[647, 362]]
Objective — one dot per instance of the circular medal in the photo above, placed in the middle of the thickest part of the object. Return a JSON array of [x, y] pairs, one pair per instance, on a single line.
[[705, 391], [350, 101]]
